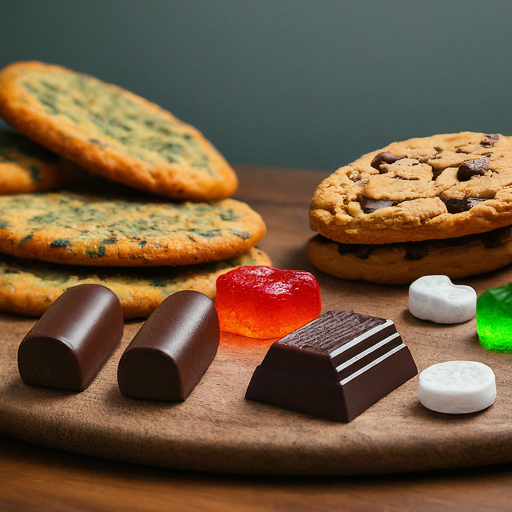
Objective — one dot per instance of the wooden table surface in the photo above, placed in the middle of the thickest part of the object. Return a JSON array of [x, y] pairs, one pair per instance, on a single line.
[[40, 479]]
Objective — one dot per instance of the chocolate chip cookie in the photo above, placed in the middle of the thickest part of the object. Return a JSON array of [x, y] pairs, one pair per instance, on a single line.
[[113, 132], [434, 205], [443, 186]]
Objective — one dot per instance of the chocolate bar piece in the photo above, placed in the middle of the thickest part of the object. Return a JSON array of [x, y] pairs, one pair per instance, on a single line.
[[335, 367], [70, 343], [169, 355]]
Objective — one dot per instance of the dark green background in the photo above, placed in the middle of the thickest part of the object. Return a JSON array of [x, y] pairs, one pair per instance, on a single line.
[[291, 83]]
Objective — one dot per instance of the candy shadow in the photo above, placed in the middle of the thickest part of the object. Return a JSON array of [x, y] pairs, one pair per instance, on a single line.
[[422, 413], [20, 392], [115, 400], [49, 402], [408, 317]]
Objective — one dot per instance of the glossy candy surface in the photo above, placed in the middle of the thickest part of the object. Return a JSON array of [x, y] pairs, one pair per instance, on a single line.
[[335, 367], [70, 343], [494, 318], [173, 349], [264, 302]]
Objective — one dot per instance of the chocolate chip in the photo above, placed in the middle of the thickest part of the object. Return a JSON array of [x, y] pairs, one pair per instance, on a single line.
[[323, 240], [415, 251], [371, 205], [493, 239], [463, 204], [360, 251], [490, 140], [385, 158], [476, 167]]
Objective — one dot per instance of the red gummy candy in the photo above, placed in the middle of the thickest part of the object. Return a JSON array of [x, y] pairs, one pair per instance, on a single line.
[[264, 302]]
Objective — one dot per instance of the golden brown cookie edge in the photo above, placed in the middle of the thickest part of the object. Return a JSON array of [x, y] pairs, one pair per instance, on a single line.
[[389, 266], [70, 143], [489, 215]]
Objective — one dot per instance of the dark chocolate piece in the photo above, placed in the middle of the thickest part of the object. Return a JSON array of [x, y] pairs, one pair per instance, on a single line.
[[384, 158], [476, 167], [490, 140], [463, 204], [371, 205], [169, 355], [335, 367], [71, 342]]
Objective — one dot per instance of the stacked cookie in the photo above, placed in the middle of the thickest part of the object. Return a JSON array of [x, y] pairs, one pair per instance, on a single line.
[[103, 233], [434, 205], [27, 167]]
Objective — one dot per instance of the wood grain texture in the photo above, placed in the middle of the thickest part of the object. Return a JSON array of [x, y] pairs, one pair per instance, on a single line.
[[36, 479], [217, 430]]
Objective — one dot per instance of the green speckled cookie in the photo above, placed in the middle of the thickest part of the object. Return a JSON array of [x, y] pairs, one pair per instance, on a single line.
[[27, 167], [84, 229], [29, 287], [113, 132]]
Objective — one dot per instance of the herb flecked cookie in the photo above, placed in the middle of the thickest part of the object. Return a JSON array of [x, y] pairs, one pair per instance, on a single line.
[[27, 167], [113, 132], [29, 287], [443, 186], [85, 229]]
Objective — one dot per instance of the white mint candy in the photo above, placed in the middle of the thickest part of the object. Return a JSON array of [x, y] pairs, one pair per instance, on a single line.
[[457, 387], [437, 299]]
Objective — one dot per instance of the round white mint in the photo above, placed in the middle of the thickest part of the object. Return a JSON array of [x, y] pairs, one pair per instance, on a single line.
[[457, 387]]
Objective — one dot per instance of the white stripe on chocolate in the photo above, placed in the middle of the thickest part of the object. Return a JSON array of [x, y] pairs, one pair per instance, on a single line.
[[372, 364], [360, 338], [367, 351]]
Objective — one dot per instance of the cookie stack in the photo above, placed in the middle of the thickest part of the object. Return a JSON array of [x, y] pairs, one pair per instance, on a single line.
[[433, 205], [169, 224]]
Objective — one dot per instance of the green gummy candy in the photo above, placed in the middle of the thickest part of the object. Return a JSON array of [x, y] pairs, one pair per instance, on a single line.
[[494, 318]]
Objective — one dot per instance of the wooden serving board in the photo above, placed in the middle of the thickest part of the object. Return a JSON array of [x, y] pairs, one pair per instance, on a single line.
[[215, 429]]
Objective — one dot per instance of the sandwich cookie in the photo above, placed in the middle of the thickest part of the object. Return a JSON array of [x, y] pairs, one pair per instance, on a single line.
[[433, 205]]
